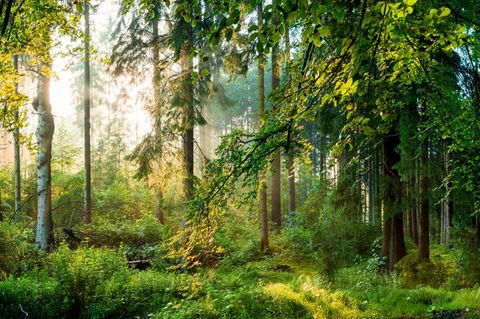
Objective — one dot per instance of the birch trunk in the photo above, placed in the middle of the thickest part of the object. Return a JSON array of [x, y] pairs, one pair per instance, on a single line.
[[44, 134]]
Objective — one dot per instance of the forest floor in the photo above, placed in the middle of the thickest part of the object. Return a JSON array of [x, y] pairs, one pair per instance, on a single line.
[[357, 292], [91, 282]]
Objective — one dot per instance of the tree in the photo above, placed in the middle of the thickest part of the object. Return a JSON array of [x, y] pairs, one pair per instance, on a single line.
[[264, 244], [359, 59], [423, 230], [393, 244], [87, 204], [291, 158], [187, 102], [44, 133], [276, 214], [16, 147]]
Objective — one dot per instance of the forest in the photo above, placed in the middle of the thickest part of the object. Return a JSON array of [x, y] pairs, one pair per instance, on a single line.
[[240, 159]]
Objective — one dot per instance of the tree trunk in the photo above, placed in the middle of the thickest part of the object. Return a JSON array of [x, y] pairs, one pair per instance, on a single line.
[[87, 204], [416, 181], [261, 110], [159, 207], [291, 159], [393, 244], [408, 215], [448, 204], [44, 134], [371, 187], [423, 235], [386, 239], [322, 156], [378, 198], [411, 202], [16, 149], [158, 105], [189, 111], [276, 163]]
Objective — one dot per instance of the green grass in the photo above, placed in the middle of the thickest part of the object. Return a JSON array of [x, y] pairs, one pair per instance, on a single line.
[[247, 283]]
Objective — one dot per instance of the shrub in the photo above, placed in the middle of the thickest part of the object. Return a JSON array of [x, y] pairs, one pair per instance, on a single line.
[[467, 256], [35, 295], [13, 248], [139, 292]]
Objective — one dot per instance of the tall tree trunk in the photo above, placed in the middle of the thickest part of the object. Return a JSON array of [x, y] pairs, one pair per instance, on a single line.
[[158, 105], [322, 156], [408, 215], [393, 244], [87, 204], [416, 182], [378, 198], [204, 129], [358, 189], [423, 235], [16, 149], [291, 159], [189, 110], [261, 110], [370, 188], [386, 240], [448, 204], [276, 163], [411, 203], [44, 134], [407, 222]]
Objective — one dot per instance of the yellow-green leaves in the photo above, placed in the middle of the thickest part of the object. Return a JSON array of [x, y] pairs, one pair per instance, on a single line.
[[347, 88], [444, 12], [409, 2]]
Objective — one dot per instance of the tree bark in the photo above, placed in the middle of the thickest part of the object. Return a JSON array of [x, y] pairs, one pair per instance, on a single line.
[[276, 163], [393, 244], [189, 110], [159, 207], [370, 188], [411, 203], [158, 105], [415, 203], [378, 198], [292, 203], [448, 204], [87, 204], [44, 134], [423, 234], [264, 244], [16, 149]]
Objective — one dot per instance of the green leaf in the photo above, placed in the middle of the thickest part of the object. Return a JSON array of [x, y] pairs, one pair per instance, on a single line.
[[252, 28], [79, 7], [409, 2], [444, 12], [276, 37]]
